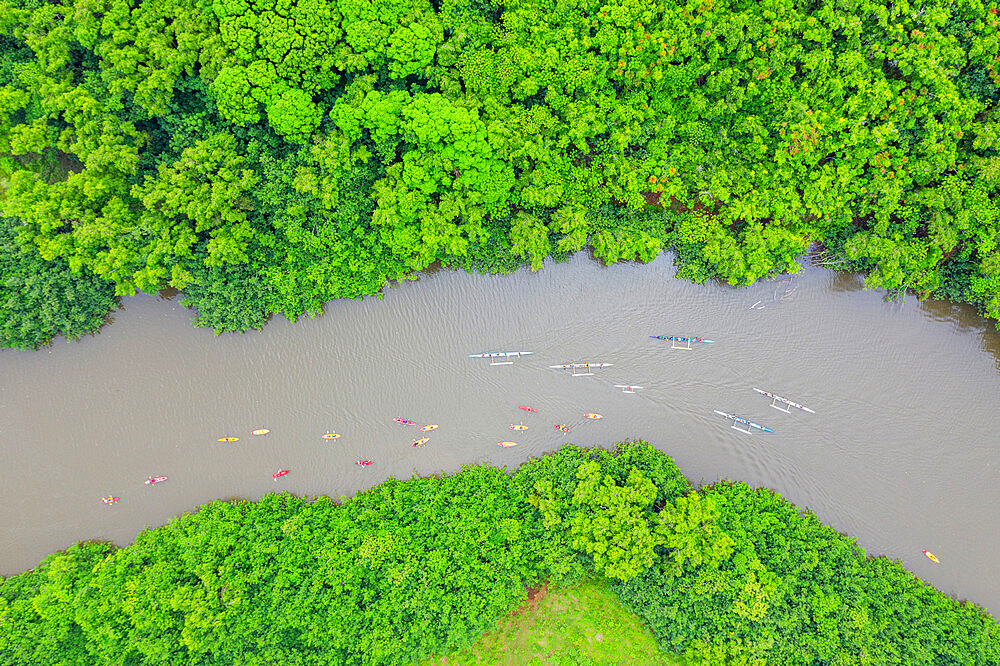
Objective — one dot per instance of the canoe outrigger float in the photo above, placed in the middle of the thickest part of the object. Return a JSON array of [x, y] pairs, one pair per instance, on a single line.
[[578, 367], [626, 388], [679, 341], [493, 356], [739, 419], [786, 401]]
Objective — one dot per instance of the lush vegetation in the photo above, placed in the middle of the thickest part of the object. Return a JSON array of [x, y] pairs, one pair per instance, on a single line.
[[410, 569], [582, 625], [267, 159]]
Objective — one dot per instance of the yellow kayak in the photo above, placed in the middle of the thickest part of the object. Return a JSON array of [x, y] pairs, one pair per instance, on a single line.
[[229, 439], [430, 427], [421, 441], [931, 557], [519, 426], [262, 431], [331, 435], [592, 416], [506, 443]]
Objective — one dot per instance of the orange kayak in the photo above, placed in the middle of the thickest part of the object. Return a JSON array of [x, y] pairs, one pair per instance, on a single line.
[[229, 439], [931, 557], [262, 431], [592, 416], [331, 435], [506, 444]]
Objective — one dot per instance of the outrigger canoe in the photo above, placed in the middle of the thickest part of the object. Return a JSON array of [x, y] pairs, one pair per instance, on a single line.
[[593, 416], [500, 354], [561, 427], [680, 338], [262, 431], [519, 426], [421, 441], [332, 435], [109, 500], [229, 439], [364, 463], [778, 398], [506, 444], [280, 473], [527, 409], [405, 421], [931, 557], [155, 479], [427, 428], [739, 419]]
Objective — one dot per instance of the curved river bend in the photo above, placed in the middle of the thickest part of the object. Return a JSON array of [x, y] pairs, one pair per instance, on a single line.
[[901, 452]]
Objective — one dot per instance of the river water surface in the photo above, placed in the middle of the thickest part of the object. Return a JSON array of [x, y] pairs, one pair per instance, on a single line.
[[900, 454]]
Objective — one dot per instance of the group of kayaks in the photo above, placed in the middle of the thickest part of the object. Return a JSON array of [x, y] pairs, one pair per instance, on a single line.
[[418, 443], [520, 427]]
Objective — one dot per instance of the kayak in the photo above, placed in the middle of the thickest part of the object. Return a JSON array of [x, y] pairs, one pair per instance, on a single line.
[[561, 427], [280, 473], [429, 427], [331, 435], [421, 441], [505, 444], [262, 431], [592, 416], [109, 500], [405, 421], [364, 463], [229, 439], [155, 479], [519, 426], [931, 557], [527, 409]]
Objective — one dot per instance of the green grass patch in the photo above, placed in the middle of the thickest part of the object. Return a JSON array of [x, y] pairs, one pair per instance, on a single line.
[[585, 624]]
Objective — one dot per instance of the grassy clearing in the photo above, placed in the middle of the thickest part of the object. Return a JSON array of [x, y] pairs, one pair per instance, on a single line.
[[585, 624]]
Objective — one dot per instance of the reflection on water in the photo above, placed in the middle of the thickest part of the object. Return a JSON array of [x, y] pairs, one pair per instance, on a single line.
[[900, 453]]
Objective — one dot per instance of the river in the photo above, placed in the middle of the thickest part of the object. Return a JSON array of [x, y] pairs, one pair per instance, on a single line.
[[900, 454]]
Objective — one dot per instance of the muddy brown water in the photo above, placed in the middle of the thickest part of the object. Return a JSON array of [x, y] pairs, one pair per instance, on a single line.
[[901, 453]]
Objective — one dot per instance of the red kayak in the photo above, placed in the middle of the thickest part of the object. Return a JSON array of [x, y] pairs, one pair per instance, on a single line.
[[364, 463], [155, 479], [405, 421], [281, 472], [527, 409]]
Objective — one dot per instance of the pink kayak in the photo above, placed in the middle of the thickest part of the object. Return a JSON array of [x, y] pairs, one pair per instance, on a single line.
[[280, 473], [364, 463], [155, 479], [405, 421]]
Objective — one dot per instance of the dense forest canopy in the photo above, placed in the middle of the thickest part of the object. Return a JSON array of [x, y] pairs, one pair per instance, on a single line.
[[267, 157], [726, 574]]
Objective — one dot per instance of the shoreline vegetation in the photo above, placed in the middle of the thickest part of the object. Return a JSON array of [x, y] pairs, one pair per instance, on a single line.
[[412, 569], [266, 160]]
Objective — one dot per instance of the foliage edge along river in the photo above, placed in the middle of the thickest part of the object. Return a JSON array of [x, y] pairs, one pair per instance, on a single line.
[[722, 574], [267, 160]]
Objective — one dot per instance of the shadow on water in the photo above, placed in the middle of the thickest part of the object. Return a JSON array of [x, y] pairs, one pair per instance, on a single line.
[[965, 319]]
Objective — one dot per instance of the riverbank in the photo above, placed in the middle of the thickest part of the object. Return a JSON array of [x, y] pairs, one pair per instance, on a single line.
[[413, 568]]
